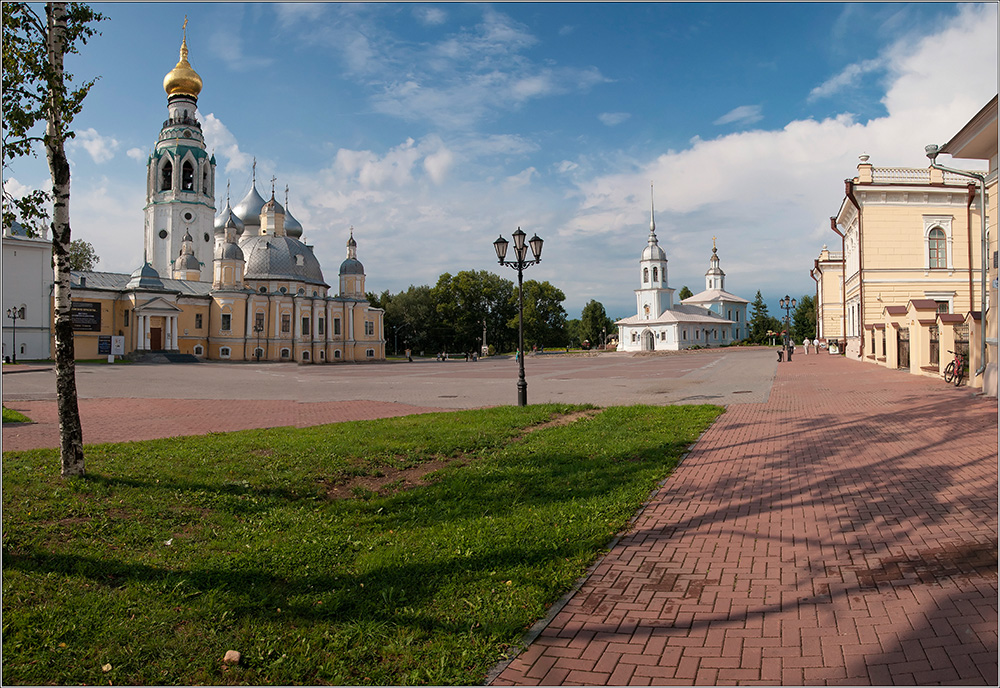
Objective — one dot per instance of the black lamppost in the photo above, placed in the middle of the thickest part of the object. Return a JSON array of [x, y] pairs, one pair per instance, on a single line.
[[258, 327], [787, 304], [521, 253], [15, 314]]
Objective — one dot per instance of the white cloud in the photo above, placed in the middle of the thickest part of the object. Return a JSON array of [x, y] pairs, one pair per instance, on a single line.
[[847, 78], [220, 141], [613, 118], [430, 16], [100, 148], [761, 190], [744, 114], [522, 178], [137, 154], [438, 164]]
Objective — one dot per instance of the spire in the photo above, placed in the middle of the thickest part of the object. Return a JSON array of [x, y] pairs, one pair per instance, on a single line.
[[652, 222], [182, 79]]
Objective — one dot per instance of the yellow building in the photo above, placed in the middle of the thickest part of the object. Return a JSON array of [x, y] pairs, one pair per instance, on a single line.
[[977, 140], [828, 272], [239, 286], [909, 235]]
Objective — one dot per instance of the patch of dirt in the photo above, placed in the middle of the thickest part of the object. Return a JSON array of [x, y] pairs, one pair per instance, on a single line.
[[391, 481]]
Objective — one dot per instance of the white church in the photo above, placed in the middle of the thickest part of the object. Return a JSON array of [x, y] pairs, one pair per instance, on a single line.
[[713, 317]]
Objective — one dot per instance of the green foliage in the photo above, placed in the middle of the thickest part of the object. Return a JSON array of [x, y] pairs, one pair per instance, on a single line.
[[804, 319], [760, 321], [468, 300], [685, 293], [544, 316], [594, 323], [12, 416], [36, 94], [173, 551], [82, 255]]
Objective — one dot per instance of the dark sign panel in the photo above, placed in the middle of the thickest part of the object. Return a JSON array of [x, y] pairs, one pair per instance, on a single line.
[[104, 345], [86, 316]]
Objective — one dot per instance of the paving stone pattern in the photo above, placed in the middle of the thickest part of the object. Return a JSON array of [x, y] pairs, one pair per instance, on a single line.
[[842, 533]]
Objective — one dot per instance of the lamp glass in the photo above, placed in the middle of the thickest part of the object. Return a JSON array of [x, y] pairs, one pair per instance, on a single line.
[[519, 238], [501, 247], [536, 247]]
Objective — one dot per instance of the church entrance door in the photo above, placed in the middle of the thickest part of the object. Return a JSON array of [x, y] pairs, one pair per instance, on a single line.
[[647, 341], [155, 338]]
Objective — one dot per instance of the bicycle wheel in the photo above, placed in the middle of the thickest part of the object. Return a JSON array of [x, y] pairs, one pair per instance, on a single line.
[[959, 374], [949, 372]]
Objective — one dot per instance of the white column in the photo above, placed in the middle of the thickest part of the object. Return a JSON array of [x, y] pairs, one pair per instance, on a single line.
[[140, 329], [166, 333], [176, 320], [145, 333]]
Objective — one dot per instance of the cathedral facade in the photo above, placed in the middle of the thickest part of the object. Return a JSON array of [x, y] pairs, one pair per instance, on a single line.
[[238, 285], [711, 318]]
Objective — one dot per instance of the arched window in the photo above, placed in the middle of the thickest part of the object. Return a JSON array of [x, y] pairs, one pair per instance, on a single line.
[[937, 254], [224, 352], [166, 177], [285, 353], [655, 275], [645, 275], [305, 355], [187, 176]]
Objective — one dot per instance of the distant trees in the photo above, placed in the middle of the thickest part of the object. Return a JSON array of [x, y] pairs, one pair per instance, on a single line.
[[594, 323], [82, 255], [544, 316], [804, 319], [684, 293]]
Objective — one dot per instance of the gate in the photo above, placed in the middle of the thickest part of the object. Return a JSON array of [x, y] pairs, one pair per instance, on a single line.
[[962, 343], [935, 341], [903, 348]]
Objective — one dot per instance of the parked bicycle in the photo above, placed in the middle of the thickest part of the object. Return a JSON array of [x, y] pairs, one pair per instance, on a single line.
[[955, 370]]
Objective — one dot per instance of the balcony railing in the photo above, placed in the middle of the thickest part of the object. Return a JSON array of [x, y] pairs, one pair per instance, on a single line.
[[912, 175]]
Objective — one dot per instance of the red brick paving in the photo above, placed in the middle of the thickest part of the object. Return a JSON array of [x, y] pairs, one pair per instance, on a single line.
[[842, 533]]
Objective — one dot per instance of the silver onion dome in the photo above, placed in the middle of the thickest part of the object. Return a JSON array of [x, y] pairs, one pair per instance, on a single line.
[[248, 210], [293, 227], [224, 217]]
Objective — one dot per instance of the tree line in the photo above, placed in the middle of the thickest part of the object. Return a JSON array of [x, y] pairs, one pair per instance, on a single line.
[[460, 310], [765, 327]]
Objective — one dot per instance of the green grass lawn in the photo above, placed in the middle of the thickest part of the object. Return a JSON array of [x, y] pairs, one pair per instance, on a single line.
[[12, 416], [172, 552]]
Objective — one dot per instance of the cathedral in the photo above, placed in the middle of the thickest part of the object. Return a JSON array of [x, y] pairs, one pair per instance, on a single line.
[[713, 317], [238, 285]]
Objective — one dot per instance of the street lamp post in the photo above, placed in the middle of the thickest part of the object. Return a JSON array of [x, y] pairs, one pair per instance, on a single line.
[[521, 253], [258, 327], [14, 314], [787, 304]]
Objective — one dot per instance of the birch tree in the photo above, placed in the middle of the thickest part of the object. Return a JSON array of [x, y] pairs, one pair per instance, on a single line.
[[37, 91]]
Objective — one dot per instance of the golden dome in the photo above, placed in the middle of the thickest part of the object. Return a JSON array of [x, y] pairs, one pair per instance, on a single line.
[[182, 79]]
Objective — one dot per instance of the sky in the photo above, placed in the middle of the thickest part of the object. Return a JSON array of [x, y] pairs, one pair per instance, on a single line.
[[432, 129]]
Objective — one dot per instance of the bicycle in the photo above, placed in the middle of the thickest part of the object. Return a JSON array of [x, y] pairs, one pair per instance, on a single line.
[[955, 370]]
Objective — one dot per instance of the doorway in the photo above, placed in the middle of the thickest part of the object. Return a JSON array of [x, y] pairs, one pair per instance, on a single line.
[[155, 338]]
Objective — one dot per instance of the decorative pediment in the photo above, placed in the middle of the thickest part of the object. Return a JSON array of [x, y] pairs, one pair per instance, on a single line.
[[157, 306]]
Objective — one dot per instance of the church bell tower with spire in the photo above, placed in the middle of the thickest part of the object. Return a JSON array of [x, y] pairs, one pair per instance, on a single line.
[[653, 296], [180, 180]]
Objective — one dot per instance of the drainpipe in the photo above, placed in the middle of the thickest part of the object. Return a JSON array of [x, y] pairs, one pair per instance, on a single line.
[[849, 190], [932, 152], [843, 280], [968, 223]]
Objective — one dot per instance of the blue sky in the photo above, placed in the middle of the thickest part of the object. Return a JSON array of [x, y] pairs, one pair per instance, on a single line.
[[432, 128]]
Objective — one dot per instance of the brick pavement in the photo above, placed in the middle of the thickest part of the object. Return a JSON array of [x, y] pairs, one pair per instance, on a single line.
[[843, 532]]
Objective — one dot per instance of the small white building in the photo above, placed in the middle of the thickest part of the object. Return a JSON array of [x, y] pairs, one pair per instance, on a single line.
[[659, 324], [716, 299], [27, 289]]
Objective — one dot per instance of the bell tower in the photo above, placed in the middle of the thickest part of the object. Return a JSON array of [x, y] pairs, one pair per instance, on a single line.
[[653, 296], [180, 177]]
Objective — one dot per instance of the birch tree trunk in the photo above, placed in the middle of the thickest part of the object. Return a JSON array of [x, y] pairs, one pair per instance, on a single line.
[[70, 429]]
